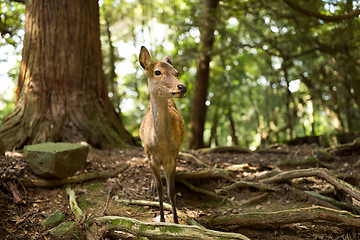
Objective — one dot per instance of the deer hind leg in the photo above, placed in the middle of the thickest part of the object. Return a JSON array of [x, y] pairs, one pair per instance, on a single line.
[[152, 185], [170, 182], [159, 188]]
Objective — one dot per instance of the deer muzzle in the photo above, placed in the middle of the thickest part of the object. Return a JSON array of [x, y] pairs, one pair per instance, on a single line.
[[183, 89]]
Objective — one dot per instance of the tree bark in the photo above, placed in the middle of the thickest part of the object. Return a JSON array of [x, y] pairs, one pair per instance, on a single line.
[[111, 76], [232, 127], [198, 108], [62, 93], [213, 134]]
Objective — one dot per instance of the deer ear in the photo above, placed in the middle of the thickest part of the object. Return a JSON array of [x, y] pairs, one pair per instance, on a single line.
[[167, 59], [144, 58]]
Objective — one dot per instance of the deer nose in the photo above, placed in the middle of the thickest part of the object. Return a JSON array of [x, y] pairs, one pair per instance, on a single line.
[[182, 88]]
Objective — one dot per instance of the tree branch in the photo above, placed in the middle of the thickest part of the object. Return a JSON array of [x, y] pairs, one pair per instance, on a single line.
[[325, 18], [19, 1]]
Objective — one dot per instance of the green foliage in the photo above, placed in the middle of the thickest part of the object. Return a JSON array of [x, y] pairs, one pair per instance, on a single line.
[[11, 32], [11, 22], [276, 73]]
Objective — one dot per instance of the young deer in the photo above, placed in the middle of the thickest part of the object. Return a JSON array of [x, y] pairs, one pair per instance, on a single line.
[[162, 130]]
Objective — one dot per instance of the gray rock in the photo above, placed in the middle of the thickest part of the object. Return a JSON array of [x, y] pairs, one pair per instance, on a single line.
[[56, 160]]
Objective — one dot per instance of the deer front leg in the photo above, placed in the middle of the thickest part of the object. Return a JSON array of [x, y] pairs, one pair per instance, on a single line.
[[159, 188], [170, 182]]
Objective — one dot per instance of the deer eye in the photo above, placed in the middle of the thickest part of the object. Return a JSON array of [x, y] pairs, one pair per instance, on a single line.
[[157, 73], [177, 74]]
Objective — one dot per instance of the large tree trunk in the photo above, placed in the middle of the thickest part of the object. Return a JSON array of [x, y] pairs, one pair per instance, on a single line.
[[62, 92], [198, 108]]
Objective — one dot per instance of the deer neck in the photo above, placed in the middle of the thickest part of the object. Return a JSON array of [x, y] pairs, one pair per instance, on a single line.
[[160, 114]]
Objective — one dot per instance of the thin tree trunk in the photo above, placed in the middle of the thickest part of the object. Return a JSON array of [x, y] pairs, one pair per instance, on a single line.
[[315, 93], [62, 93], [289, 129], [213, 134], [112, 75], [232, 127], [198, 108]]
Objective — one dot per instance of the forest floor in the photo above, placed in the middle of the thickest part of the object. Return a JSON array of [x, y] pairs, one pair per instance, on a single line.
[[284, 209]]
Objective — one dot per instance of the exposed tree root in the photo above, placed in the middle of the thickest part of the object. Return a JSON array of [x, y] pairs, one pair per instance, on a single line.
[[18, 199], [96, 228], [79, 214], [191, 157], [204, 191], [72, 180], [341, 205], [346, 148], [271, 219], [301, 162], [225, 149], [255, 199], [245, 184], [211, 173], [316, 172], [271, 150], [167, 206], [164, 231]]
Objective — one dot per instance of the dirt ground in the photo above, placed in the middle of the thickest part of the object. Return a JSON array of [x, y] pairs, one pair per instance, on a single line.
[[22, 220]]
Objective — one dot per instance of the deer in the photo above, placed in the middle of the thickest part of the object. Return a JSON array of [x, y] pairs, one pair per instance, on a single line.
[[163, 128]]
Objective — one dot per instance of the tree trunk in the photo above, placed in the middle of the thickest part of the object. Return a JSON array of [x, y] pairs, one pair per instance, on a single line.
[[213, 134], [62, 93], [198, 108], [112, 77], [316, 94], [232, 127], [289, 123]]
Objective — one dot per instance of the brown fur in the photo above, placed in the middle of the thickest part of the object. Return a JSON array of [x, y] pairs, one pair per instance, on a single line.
[[162, 130]]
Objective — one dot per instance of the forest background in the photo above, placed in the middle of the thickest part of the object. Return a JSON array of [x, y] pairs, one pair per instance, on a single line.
[[274, 70]]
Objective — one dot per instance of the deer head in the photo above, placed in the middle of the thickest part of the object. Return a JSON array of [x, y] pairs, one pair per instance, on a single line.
[[162, 77]]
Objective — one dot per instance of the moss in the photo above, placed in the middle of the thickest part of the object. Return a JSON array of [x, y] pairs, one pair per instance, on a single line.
[[322, 152], [54, 147], [143, 228], [127, 223], [121, 195], [171, 229], [83, 204], [54, 218], [96, 186], [92, 203], [64, 228], [299, 162], [115, 222]]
